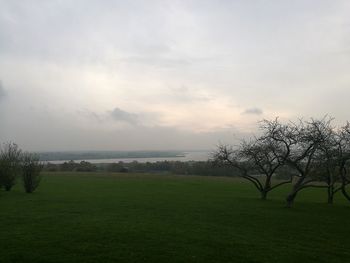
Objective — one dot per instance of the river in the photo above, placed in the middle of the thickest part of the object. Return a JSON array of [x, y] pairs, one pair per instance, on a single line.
[[186, 156]]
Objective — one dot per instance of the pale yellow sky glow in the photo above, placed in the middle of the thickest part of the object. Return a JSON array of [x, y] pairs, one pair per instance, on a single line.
[[132, 75]]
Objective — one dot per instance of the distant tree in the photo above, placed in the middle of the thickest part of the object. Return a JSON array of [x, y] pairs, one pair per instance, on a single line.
[[68, 166], [85, 166], [31, 168], [51, 167], [10, 156], [115, 167], [205, 168]]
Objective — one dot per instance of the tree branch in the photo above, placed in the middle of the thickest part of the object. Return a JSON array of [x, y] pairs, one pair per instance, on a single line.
[[282, 183], [255, 181]]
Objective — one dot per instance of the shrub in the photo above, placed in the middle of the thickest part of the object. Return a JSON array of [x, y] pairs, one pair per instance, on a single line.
[[31, 168], [10, 156]]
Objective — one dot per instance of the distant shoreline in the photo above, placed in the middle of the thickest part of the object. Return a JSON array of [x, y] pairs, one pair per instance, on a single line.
[[130, 156]]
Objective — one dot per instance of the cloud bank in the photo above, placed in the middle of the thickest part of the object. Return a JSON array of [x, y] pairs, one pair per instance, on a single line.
[[79, 74]]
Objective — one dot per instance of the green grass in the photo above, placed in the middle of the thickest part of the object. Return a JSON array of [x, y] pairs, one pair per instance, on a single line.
[[150, 218]]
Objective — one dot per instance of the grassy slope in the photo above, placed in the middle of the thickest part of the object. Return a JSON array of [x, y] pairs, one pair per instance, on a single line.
[[139, 218]]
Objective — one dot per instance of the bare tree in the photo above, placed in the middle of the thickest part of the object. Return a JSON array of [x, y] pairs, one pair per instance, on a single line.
[[257, 161], [264, 155], [228, 156], [343, 151], [300, 142], [10, 156], [328, 162], [331, 160], [311, 153]]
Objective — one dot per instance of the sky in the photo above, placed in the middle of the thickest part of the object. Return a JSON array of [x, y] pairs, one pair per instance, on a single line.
[[167, 75]]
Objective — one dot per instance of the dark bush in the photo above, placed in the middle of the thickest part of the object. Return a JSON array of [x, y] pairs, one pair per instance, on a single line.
[[84, 166], [10, 156], [31, 168]]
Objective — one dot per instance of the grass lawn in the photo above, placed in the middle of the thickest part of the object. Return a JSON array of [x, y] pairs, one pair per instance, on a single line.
[[152, 218]]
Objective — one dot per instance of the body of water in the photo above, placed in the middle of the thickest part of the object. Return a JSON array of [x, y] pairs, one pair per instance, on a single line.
[[186, 156]]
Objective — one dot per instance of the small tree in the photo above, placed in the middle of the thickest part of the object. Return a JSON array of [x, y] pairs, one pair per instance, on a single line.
[[343, 147], [301, 142], [328, 160], [257, 161], [264, 155], [31, 168], [10, 156], [333, 159], [225, 155]]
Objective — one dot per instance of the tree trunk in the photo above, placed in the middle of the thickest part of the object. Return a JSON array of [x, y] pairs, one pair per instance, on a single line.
[[342, 171], [267, 187], [343, 189], [330, 194], [330, 199], [290, 198]]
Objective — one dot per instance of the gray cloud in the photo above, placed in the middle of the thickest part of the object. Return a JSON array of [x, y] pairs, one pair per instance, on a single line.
[[2, 91], [91, 115], [253, 111], [171, 63], [123, 116]]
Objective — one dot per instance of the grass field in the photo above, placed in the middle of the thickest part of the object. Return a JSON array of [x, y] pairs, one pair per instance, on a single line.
[[150, 218]]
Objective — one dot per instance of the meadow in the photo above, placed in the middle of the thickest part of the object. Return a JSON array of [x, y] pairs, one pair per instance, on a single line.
[[96, 217]]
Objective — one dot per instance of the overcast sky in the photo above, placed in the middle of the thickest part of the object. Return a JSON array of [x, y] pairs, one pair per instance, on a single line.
[[132, 75]]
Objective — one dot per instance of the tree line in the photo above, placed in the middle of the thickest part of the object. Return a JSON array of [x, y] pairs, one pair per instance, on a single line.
[[204, 168], [15, 164], [311, 153]]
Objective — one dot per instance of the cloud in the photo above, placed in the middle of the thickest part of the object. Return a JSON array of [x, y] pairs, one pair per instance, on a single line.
[[2, 91], [253, 111], [123, 116], [184, 94], [167, 64], [155, 61]]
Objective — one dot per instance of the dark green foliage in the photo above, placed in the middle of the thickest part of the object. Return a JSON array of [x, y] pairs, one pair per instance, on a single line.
[[94, 217], [31, 168], [70, 166], [51, 167], [116, 167], [174, 167], [10, 156], [67, 166], [86, 167], [83, 155]]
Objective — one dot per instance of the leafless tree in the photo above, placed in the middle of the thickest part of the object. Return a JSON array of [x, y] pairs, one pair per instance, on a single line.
[[313, 153], [326, 170], [264, 155], [301, 141], [343, 157], [227, 155], [257, 161]]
